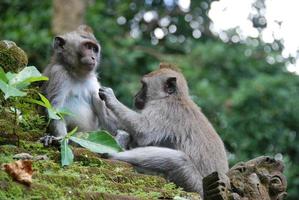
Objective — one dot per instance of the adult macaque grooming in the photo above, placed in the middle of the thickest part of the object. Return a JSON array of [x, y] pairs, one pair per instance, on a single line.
[[171, 133], [73, 84]]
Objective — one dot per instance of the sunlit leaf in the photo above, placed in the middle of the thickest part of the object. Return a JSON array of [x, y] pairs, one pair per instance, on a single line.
[[27, 82], [45, 100], [28, 74], [10, 91], [67, 156], [97, 141]]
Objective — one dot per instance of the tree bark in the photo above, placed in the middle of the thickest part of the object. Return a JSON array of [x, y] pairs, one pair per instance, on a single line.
[[67, 15]]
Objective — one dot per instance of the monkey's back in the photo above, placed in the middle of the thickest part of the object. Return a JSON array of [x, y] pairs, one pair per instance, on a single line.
[[188, 130]]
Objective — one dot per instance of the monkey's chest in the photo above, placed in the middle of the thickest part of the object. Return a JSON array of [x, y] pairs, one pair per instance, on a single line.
[[82, 114]]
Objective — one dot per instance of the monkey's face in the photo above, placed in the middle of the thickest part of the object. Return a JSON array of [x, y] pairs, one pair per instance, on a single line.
[[89, 55], [155, 88], [77, 53]]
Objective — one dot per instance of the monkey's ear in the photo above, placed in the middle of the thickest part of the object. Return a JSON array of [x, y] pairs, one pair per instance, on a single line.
[[170, 85], [59, 43]]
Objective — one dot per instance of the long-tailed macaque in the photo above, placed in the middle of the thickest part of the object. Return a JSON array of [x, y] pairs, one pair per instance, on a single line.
[[170, 132], [73, 85]]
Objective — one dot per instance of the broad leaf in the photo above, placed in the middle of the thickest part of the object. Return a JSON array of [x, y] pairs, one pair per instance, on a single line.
[[67, 156], [27, 82], [97, 141], [3, 75], [10, 91], [28, 74]]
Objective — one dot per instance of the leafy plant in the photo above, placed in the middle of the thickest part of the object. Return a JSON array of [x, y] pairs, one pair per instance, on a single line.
[[95, 141], [15, 86], [66, 153], [53, 113]]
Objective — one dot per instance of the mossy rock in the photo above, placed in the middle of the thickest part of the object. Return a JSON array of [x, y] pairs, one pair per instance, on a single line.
[[89, 177], [12, 57]]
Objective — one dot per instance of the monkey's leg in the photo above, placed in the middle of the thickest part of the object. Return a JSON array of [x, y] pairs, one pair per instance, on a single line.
[[175, 164]]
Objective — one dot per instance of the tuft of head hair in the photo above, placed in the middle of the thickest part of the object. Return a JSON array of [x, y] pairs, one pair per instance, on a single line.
[[85, 28], [85, 32], [169, 66]]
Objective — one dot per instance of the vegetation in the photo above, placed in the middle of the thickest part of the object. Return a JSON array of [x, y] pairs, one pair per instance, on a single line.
[[243, 88]]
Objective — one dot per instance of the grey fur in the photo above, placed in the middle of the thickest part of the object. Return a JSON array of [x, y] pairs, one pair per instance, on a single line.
[[75, 87], [173, 121]]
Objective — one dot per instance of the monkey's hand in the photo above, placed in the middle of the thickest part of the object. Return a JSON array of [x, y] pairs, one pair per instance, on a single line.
[[107, 95], [99, 106], [50, 140]]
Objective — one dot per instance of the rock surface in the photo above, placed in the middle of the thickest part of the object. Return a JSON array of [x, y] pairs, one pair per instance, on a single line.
[[12, 58]]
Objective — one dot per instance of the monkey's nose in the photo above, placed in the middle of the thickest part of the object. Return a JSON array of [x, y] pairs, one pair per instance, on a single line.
[[93, 58]]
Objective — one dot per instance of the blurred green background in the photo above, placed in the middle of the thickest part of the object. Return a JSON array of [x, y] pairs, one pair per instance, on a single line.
[[248, 94]]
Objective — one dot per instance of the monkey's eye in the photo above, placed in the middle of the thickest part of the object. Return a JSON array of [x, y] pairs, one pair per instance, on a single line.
[[91, 46]]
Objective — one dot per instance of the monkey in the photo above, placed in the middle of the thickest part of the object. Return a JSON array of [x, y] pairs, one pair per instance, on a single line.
[[73, 85], [170, 134]]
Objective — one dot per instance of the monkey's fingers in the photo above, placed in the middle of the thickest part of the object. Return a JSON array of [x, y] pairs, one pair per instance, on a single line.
[[102, 94], [50, 140]]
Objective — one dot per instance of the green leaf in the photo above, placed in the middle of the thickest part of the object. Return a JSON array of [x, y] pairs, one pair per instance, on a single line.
[[67, 156], [10, 91], [35, 102], [3, 75], [27, 75], [27, 82], [53, 114], [72, 132], [45, 100], [10, 75], [97, 141]]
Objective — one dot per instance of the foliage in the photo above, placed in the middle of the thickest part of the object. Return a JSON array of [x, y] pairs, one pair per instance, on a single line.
[[14, 84], [96, 141], [251, 102]]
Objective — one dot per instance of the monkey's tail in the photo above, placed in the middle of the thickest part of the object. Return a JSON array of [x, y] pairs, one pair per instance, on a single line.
[[176, 165]]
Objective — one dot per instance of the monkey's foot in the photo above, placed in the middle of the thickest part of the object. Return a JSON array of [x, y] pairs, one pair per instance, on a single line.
[[122, 138], [50, 140]]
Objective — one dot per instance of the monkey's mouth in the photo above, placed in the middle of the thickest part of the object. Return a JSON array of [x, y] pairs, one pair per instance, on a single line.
[[89, 65]]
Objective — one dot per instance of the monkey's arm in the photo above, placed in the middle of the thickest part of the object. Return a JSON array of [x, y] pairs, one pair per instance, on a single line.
[[126, 116]]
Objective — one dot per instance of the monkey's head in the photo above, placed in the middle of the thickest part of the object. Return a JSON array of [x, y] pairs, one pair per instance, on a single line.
[[78, 51], [166, 82]]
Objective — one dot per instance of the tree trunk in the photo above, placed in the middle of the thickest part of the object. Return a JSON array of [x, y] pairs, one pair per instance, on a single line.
[[67, 15]]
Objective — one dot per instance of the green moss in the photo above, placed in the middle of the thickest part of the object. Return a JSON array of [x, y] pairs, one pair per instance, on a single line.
[[89, 177], [12, 58]]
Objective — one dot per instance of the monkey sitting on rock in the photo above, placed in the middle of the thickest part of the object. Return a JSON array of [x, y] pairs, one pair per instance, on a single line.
[[73, 85], [170, 133]]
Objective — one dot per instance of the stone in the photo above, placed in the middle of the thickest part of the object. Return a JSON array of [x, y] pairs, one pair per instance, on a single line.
[[12, 57], [257, 179]]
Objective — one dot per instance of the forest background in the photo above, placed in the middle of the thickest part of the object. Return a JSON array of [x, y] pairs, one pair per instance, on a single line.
[[241, 83]]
